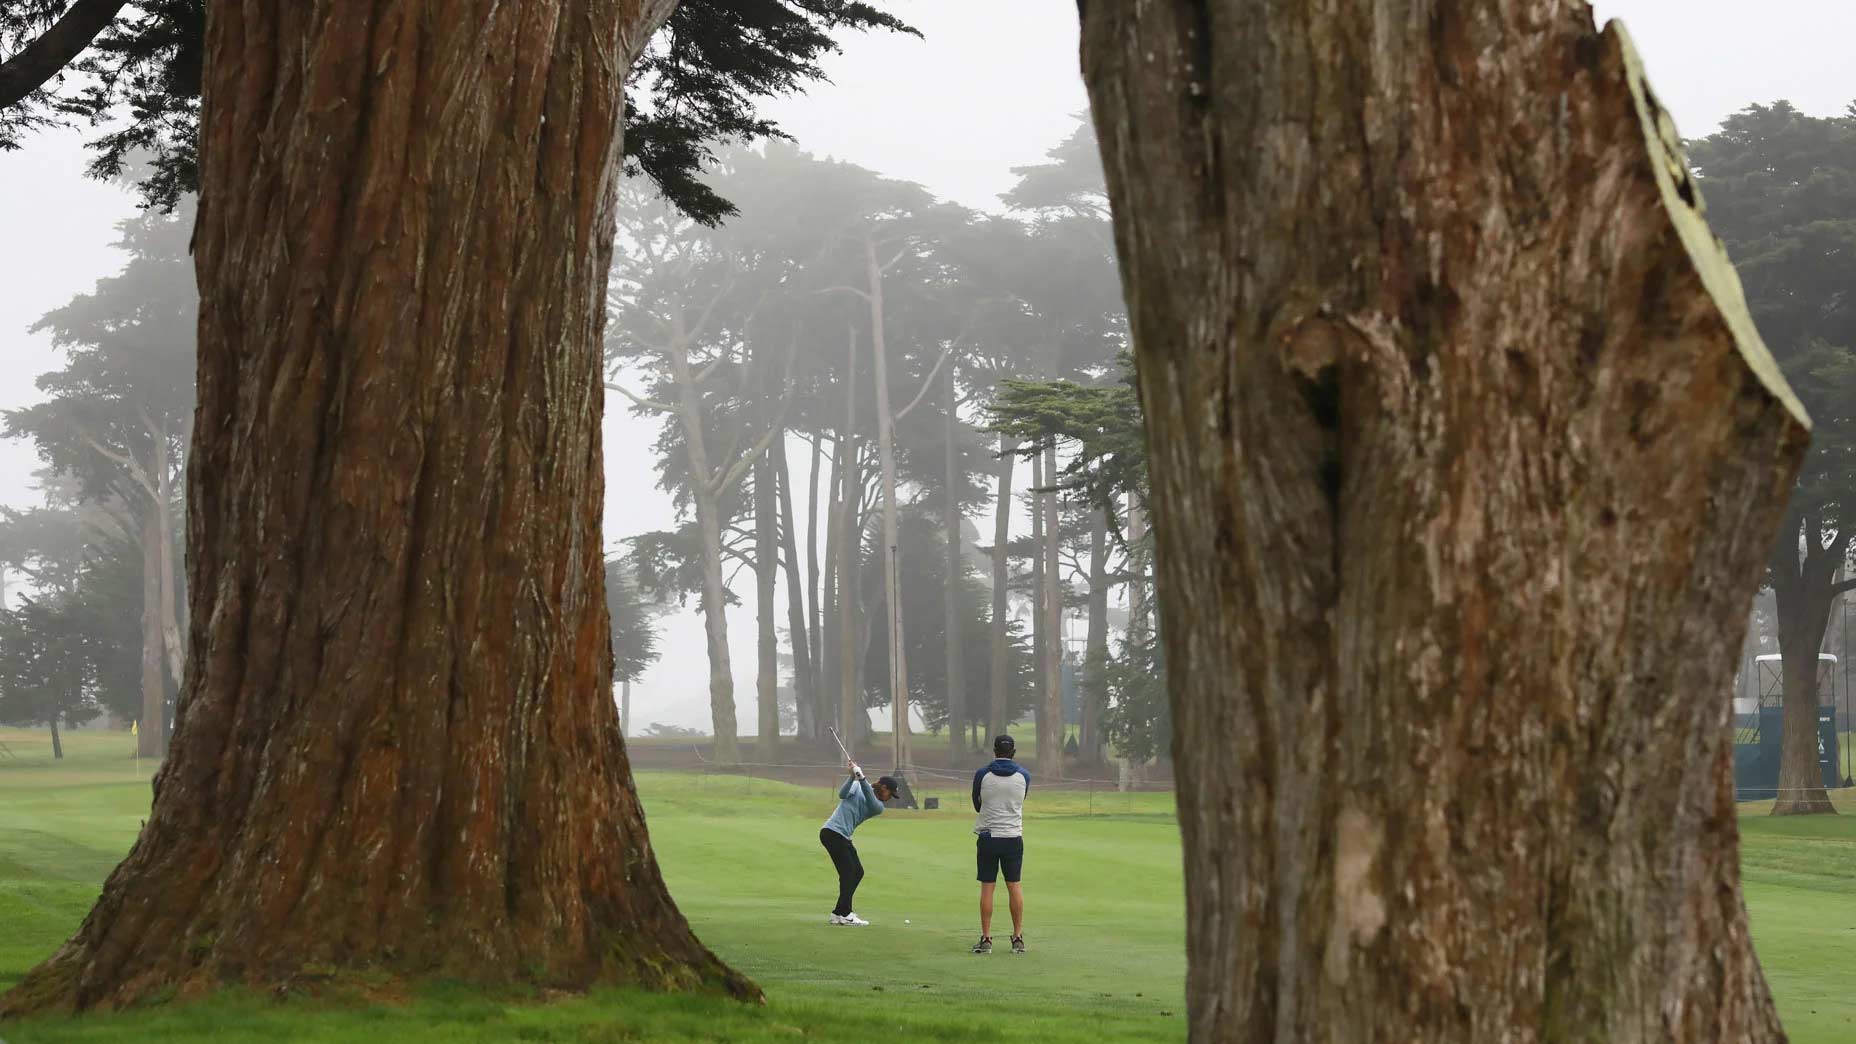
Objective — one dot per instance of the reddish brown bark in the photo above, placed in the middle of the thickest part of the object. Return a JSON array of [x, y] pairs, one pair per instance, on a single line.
[[400, 750], [1465, 455]]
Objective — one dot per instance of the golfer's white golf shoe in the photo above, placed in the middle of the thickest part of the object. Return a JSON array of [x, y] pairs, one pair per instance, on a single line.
[[850, 919]]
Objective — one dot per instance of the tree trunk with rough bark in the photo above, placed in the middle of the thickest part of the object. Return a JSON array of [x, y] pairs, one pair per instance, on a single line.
[[1001, 678], [956, 572], [1803, 571], [766, 574], [1050, 743], [1095, 649], [1464, 457], [400, 752]]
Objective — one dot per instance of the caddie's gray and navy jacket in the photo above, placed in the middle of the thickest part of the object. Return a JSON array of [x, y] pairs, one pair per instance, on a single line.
[[856, 803], [999, 791]]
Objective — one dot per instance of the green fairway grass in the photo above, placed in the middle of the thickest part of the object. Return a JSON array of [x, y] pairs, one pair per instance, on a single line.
[[1105, 921]]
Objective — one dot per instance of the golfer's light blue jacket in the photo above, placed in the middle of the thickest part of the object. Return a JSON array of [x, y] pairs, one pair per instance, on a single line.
[[856, 803]]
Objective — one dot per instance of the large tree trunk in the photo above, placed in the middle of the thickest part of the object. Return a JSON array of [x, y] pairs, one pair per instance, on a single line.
[[766, 573], [151, 736], [400, 752], [1804, 585], [1050, 742], [1464, 457], [1000, 708], [805, 681], [896, 659], [57, 741], [1095, 650], [956, 573]]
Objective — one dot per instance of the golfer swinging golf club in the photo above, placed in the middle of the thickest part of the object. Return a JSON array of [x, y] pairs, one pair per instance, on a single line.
[[857, 801], [999, 790]]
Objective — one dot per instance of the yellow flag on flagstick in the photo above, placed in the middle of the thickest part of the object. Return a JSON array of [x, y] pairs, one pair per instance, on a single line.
[[135, 728]]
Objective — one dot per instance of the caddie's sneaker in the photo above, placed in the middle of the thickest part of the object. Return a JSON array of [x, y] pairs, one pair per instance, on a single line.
[[1018, 944], [984, 945], [851, 918]]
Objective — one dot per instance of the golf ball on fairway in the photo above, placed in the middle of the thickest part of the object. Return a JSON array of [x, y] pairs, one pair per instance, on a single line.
[[905, 920]]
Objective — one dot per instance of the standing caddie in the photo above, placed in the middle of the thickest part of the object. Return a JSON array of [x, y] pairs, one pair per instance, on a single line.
[[999, 790]]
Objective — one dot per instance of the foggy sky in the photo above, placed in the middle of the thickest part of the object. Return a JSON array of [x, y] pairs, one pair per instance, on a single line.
[[992, 86]]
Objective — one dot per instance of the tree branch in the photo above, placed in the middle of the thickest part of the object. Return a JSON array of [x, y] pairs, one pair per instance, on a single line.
[[38, 62], [843, 289], [127, 463], [928, 382], [649, 404]]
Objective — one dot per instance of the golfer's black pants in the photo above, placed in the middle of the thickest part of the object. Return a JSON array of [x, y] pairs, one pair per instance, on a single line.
[[850, 868]]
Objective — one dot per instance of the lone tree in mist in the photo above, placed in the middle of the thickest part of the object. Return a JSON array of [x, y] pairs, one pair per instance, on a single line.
[[1465, 457], [398, 748], [1780, 188]]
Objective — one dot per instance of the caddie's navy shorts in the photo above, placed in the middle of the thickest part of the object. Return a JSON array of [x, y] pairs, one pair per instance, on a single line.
[[1000, 853]]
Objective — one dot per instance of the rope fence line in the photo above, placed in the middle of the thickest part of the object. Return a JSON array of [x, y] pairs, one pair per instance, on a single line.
[[945, 778]]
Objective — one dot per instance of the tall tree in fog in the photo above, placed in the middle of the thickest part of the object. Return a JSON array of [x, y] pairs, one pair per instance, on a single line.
[[1465, 455], [684, 311], [399, 749], [117, 417], [1781, 191], [1064, 276]]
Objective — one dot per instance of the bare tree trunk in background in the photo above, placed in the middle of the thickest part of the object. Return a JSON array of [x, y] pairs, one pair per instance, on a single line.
[[57, 743], [1095, 651], [1039, 634], [896, 658], [1464, 456], [956, 572], [705, 491], [852, 721], [805, 679], [1804, 587], [766, 573], [828, 607], [1001, 589], [151, 737], [1050, 744], [1137, 568], [163, 472], [400, 751]]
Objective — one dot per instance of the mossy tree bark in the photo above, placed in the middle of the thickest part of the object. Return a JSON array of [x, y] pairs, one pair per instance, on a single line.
[[399, 749], [1465, 456]]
